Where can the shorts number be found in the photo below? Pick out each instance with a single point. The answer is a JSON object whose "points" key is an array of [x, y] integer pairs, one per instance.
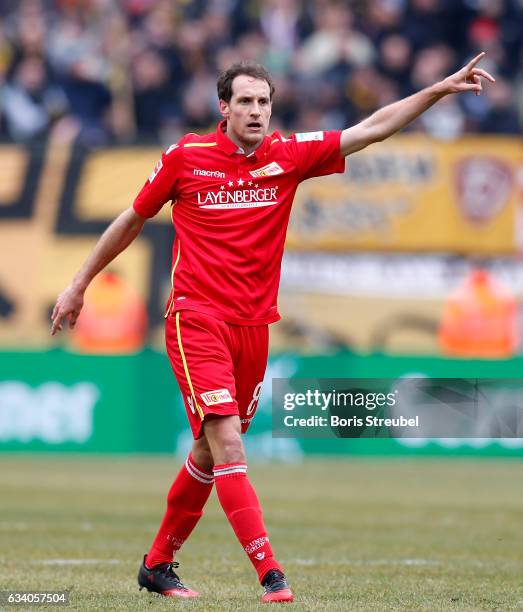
{"points": [[255, 397]]}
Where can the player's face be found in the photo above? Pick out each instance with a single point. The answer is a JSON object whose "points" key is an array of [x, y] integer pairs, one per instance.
{"points": [[248, 111]]}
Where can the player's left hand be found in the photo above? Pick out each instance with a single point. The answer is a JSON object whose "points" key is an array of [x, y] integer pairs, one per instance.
{"points": [[468, 78]]}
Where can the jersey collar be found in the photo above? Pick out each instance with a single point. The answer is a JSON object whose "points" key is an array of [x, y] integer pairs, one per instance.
{"points": [[229, 147]]}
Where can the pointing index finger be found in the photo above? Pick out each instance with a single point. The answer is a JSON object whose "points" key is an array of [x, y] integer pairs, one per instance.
{"points": [[475, 60]]}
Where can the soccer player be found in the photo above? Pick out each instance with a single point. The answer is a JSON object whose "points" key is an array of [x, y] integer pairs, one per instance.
{"points": [[231, 194]]}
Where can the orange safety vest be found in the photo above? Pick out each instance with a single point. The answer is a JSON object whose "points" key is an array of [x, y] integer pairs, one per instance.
{"points": [[113, 319], [479, 319]]}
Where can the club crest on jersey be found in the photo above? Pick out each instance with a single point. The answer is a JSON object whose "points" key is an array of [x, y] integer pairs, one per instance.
{"points": [[268, 170], [157, 169], [220, 396]]}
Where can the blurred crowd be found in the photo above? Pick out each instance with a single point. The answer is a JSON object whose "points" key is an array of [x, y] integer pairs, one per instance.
{"points": [[121, 71]]}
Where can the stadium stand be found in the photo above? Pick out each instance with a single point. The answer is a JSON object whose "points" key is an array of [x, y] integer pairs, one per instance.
{"points": [[115, 72]]}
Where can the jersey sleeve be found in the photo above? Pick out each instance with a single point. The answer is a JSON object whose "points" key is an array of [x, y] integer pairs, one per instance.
{"points": [[161, 185], [317, 153]]}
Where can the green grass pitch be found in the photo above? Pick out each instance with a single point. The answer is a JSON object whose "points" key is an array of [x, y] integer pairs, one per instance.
{"points": [[378, 534]]}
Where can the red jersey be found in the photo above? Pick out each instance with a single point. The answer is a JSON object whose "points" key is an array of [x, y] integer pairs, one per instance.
{"points": [[230, 212]]}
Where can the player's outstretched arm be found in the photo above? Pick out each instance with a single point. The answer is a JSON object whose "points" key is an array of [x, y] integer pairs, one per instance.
{"points": [[118, 236], [389, 119]]}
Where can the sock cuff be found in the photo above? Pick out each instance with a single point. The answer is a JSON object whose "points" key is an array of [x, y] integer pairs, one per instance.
{"points": [[266, 566], [196, 471], [229, 469]]}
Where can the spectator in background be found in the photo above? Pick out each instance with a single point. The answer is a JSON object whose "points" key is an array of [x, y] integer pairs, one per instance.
{"points": [[363, 92], [395, 60], [199, 104], [447, 121], [160, 33], [30, 102], [283, 23], [192, 39], [154, 103], [501, 117], [380, 17], [483, 30], [425, 23], [334, 40], [89, 100], [26, 28], [216, 24], [498, 25], [77, 55]]}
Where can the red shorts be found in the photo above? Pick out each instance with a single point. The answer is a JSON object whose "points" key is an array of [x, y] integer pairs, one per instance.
{"points": [[219, 366]]}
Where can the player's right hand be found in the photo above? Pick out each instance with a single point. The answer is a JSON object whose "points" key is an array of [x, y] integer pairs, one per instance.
{"points": [[468, 78], [67, 307]]}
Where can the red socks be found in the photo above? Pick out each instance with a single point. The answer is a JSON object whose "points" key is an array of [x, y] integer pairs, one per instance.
{"points": [[241, 505], [185, 503]]}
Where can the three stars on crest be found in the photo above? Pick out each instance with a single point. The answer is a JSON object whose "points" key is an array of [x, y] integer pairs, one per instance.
{"points": [[240, 182]]}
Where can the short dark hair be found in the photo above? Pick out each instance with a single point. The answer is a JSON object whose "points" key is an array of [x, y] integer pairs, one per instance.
{"points": [[257, 71]]}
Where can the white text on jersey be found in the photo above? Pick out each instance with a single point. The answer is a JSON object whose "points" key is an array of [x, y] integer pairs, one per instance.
{"points": [[240, 198], [211, 173]]}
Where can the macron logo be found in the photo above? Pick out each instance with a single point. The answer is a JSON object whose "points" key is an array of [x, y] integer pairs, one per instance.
{"points": [[210, 173]]}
